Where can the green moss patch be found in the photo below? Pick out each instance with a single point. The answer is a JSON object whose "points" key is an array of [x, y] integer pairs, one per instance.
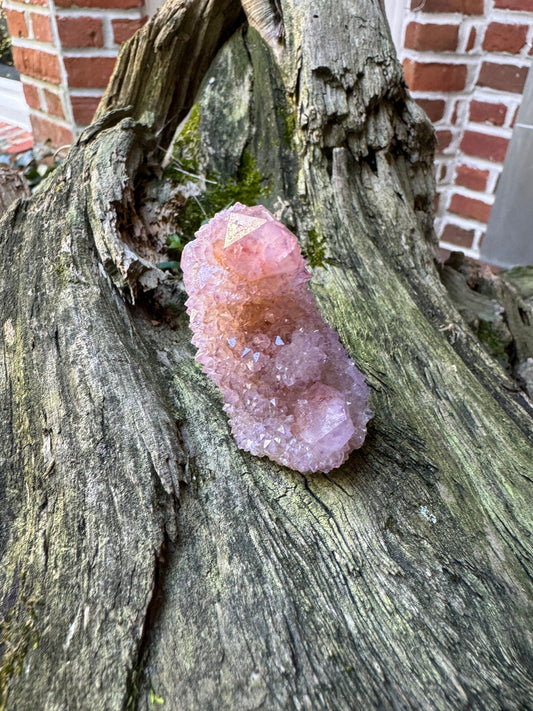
{"points": [[187, 166]]}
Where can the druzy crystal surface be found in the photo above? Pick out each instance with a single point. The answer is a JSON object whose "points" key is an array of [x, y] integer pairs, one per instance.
{"points": [[290, 390]]}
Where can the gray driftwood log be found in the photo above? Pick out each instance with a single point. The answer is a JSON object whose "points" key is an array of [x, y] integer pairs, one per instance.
{"points": [[144, 558]]}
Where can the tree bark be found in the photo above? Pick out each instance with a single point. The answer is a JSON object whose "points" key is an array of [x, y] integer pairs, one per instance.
{"points": [[12, 186], [146, 559]]}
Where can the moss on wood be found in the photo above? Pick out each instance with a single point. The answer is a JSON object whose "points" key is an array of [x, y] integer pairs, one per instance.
{"points": [[384, 584]]}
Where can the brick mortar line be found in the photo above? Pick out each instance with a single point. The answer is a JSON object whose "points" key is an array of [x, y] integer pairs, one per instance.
{"points": [[131, 14], [481, 163], [40, 83], [439, 57], [456, 20], [512, 101], [465, 223], [25, 8], [465, 29], [83, 93], [31, 43], [467, 251], [113, 14], [488, 129], [55, 48], [518, 18], [52, 118], [422, 57], [67, 106], [507, 123], [488, 11], [494, 15], [444, 95], [492, 181], [482, 196], [90, 52], [108, 34], [482, 91], [478, 93]]}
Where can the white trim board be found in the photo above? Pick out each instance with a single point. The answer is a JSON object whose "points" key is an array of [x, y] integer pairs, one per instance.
{"points": [[396, 10], [13, 106]]}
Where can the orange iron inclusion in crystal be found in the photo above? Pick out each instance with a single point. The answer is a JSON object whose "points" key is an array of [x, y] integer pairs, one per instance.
{"points": [[290, 390]]}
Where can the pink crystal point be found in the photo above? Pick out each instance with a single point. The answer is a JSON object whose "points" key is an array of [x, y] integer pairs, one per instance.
{"points": [[290, 389]]}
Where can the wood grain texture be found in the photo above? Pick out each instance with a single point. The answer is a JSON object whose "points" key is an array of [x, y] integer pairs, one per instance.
{"points": [[159, 70], [91, 458], [401, 580], [13, 186]]}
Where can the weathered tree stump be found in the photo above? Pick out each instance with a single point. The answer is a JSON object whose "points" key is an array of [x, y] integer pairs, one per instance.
{"points": [[146, 558]]}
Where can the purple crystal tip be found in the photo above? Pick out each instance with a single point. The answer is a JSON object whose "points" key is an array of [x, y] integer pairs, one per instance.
{"points": [[290, 390]]}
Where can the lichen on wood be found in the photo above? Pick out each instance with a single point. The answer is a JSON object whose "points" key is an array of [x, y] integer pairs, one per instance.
{"points": [[387, 583]]}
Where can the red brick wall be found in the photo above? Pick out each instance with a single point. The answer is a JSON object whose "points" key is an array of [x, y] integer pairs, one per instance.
{"points": [[466, 63], [65, 52]]}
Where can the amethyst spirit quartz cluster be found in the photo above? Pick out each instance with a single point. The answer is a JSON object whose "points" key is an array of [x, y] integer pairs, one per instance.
{"points": [[290, 390]]}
